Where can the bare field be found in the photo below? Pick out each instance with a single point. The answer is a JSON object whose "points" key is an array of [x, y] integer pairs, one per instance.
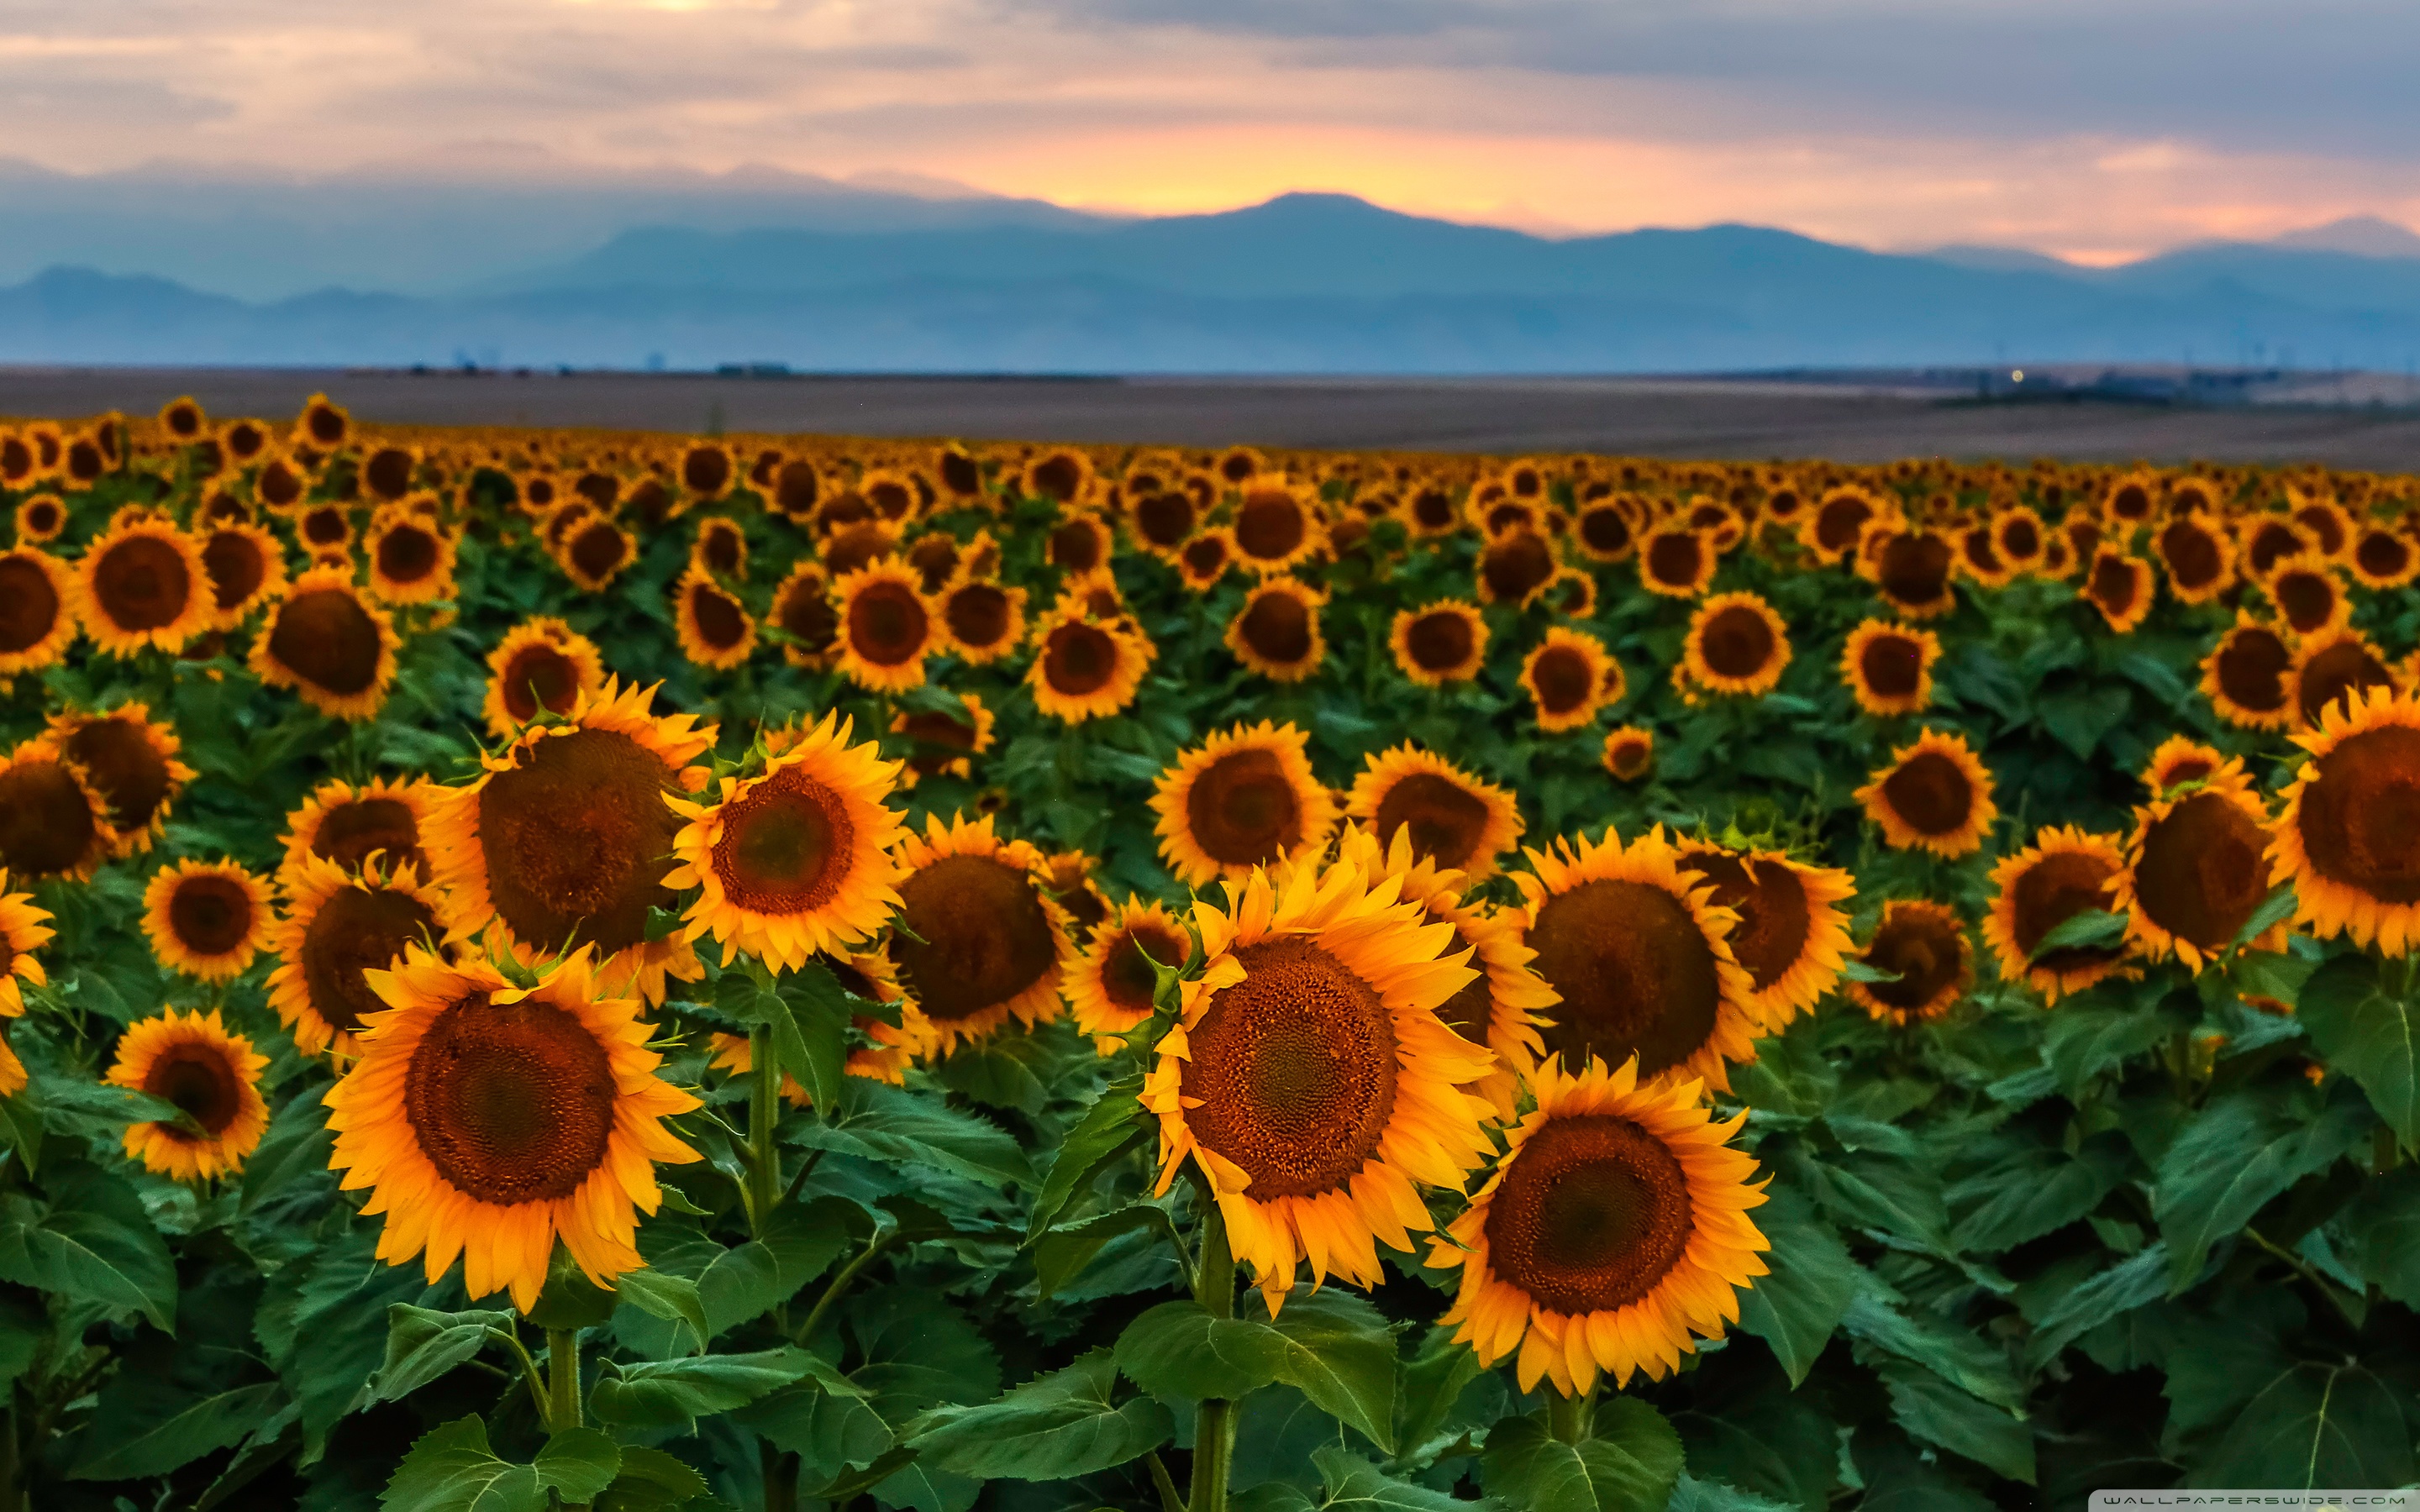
{"points": [[1642, 416]]}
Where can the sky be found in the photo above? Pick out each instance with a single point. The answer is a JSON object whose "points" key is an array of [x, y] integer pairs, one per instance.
{"points": [[2094, 130]]}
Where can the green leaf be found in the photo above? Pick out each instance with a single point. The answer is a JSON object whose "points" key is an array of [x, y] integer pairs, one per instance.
{"points": [[2274, 909], [422, 1345], [2381, 1231], [96, 1244], [2315, 1426], [1977, 1367], [2229, 1161], [2370, 1035], [2089, 930], [1694, 1495], [2124, 1287], [920, 1350], [1068, 1248], [2081, 717], [798, 1244], [651, 1480], [661, 1294], [815, 1044], [127, 1452], [1898, 1481], [1348, 1481], [2085, 1039], [1054, 1428], [877, 1122], [297, 1145], [1629, 1463], [1433, 1379], [1342, 1355], [1109, 1128], [1334, 1348], [2037, 1191], [24, 1114], [673, 1393], [1795, 1308], [1932, 1410], [1893, 1196], [824, 1419], [997, 1073], [451, 1469]]}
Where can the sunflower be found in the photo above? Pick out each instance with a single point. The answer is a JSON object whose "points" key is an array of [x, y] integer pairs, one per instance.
{"points": [[2192, 877], [1736, 644], [1832, 530], [1935, 796], [1614, 1229], [2064, 872], [279, 484], [1448, 816], [1245, 797], [714, 627], [984, 620], [23, 931], [564, 839], [794, 861], [1309, 1077], [37, 610], [131, 761], [207, 920], [1078, 543], [1912, 567], [1276, 527], [1445, 642], [1063, 475], [1630, 753], [2244, 676], [1068, 876], [1676, 561], [541, 664], [1276, 633], [2017, 534], [40, 518], [2265, 541], [1500, 1008], [722, 548], [2119, 586], [330, 644], [594, 553], [323, 426], [1979, 558], [212, 1075], [53, 822], [183, 419], [1430, 512], [943, 733], [2349, 839], [1569, 677], [1642, 957], [347, 823], [2133, 496], [490, 1120], [1083, 670], [1791, 936], [2329, 669], [339, 923], [1515, 568], [887, 627], [1889, 668], [706, 471], [1604, 532], [326, 529], [411, 560], [2380, 558], [2201, 561], [802, 611], [1162, 520], [889, 1050], [2310, 598], [1923, 946], [142, 584], [246, 569], [1109, 985], [984, 941], [2179, 759], [1205, 559]]}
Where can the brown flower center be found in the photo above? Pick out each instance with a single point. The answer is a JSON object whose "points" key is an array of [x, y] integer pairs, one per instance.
{"points": [[1164, 518], [511, 1103], [1738, 642], [1771, 901], [326, 526], [599, 551], [2336, 672], [1630, 758], [406, 554], [1056, 477], [142, 584], [1295, 1068], [1892, 666], [538, 673], [1914, 569], [704, 470], [2200, 876], [721, 624], [1605, 530], [1270, 525], [387, 472], [1563, 679], [887, 623], [1446, 818], [2192, 554], [358, 930], [1516, 565], [1126, 978], [1242, 809], [977, 615], [807, 616], [1590, 1215], [199, 1080], [1207, 557], [1078, 659], [787, 847], [1278, 626], [2252, 669], [119, 761], [1636, 972], [1077, 546], [2187, 769], [326, 637], [2020, 538], [236, 568], [2114, 585], [29, 606], [982, 936], [209, 915], [2269, 543], [2360, 813], [2382, 554], [350, 831], [47, 826], [1440, 642], [1675, 558], [2054, 890], [1837, 521], [1925, 950], [577, 840], [1931, 794]]}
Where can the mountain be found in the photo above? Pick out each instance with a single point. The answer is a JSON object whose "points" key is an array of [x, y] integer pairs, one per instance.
{"points": [[2365, 235]]}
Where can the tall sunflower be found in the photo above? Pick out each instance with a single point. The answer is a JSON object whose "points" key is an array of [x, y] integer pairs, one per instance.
{"points": [[40, 518], [1922, 946], [340, 922], [347, 822], [797, 859], [1888, 667], [1613, 1230], [246, 569], [1276, 633], [2064, 872], [207, 920], [53, 822], [37, 610], [212, 1075], [593, 553], [141, 584], [1085, 669], [1935, 796], [1569, 677], [802, 611], [2380, 558], [330, 644], [1245, 797], [2309, 595], [1449, 815], [24, 930], [1073, 879], [1109, 986], [887, 627], [1275, 525], [715, 629], [2349, 839], [1736, 644], [1309, 1077], [2199, 559], [1515, 567], [2244, 676], [984, 620], [564, 839], [1642, 957], [1911, 567], [491, 1120], [130, 760], [2193, 876], [1441, 643], [1203, 561], [1793, 935], [984, 942], [541, 663], [1677, 561]]}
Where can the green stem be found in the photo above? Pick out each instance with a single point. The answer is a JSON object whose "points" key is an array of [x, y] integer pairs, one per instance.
{"points": [[874, 1248], [763, 1114], [1213, 1425], [781, 1475], [1568, 1417], [1162, 1481], [529, 1373], [563, 1379]]}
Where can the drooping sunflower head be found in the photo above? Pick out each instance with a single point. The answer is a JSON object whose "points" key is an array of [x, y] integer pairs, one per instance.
{"points": [[1085, 669], [1630, 753], [1611, 1235], [1888, 667], [1935, 796], [2193, 876], [1445, 814], [1063, 474], [1736, 644], [1443, 642], [2179, 759], [1309, 1077], [246, 569], [2064, 872], [132, 761], [1072, 878], [1203, 561], [1922, 945], [1276, 633], [2245, 676], [1791, 934], [213, 1078], [2349, 839], [338, 924], [329, 644], [142, 584], [1515, 567], [1109, 987], [1569, 677], [984, 942], [1243, 798], [944, 743], [715, 629], [1980, 561], [887, 627], [1641, 955], [542, 664], [207, 920], [491, 1122], [2199, 560], [53, 822], [24, 930], [2330, 669], [794, 861], [565, 839]]}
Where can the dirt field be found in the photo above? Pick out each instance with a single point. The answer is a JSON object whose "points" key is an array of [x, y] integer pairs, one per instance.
{"points": [[1637, 416]]}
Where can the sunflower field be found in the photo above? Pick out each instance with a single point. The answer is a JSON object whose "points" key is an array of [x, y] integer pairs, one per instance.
{"points": [[580, 970]]}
